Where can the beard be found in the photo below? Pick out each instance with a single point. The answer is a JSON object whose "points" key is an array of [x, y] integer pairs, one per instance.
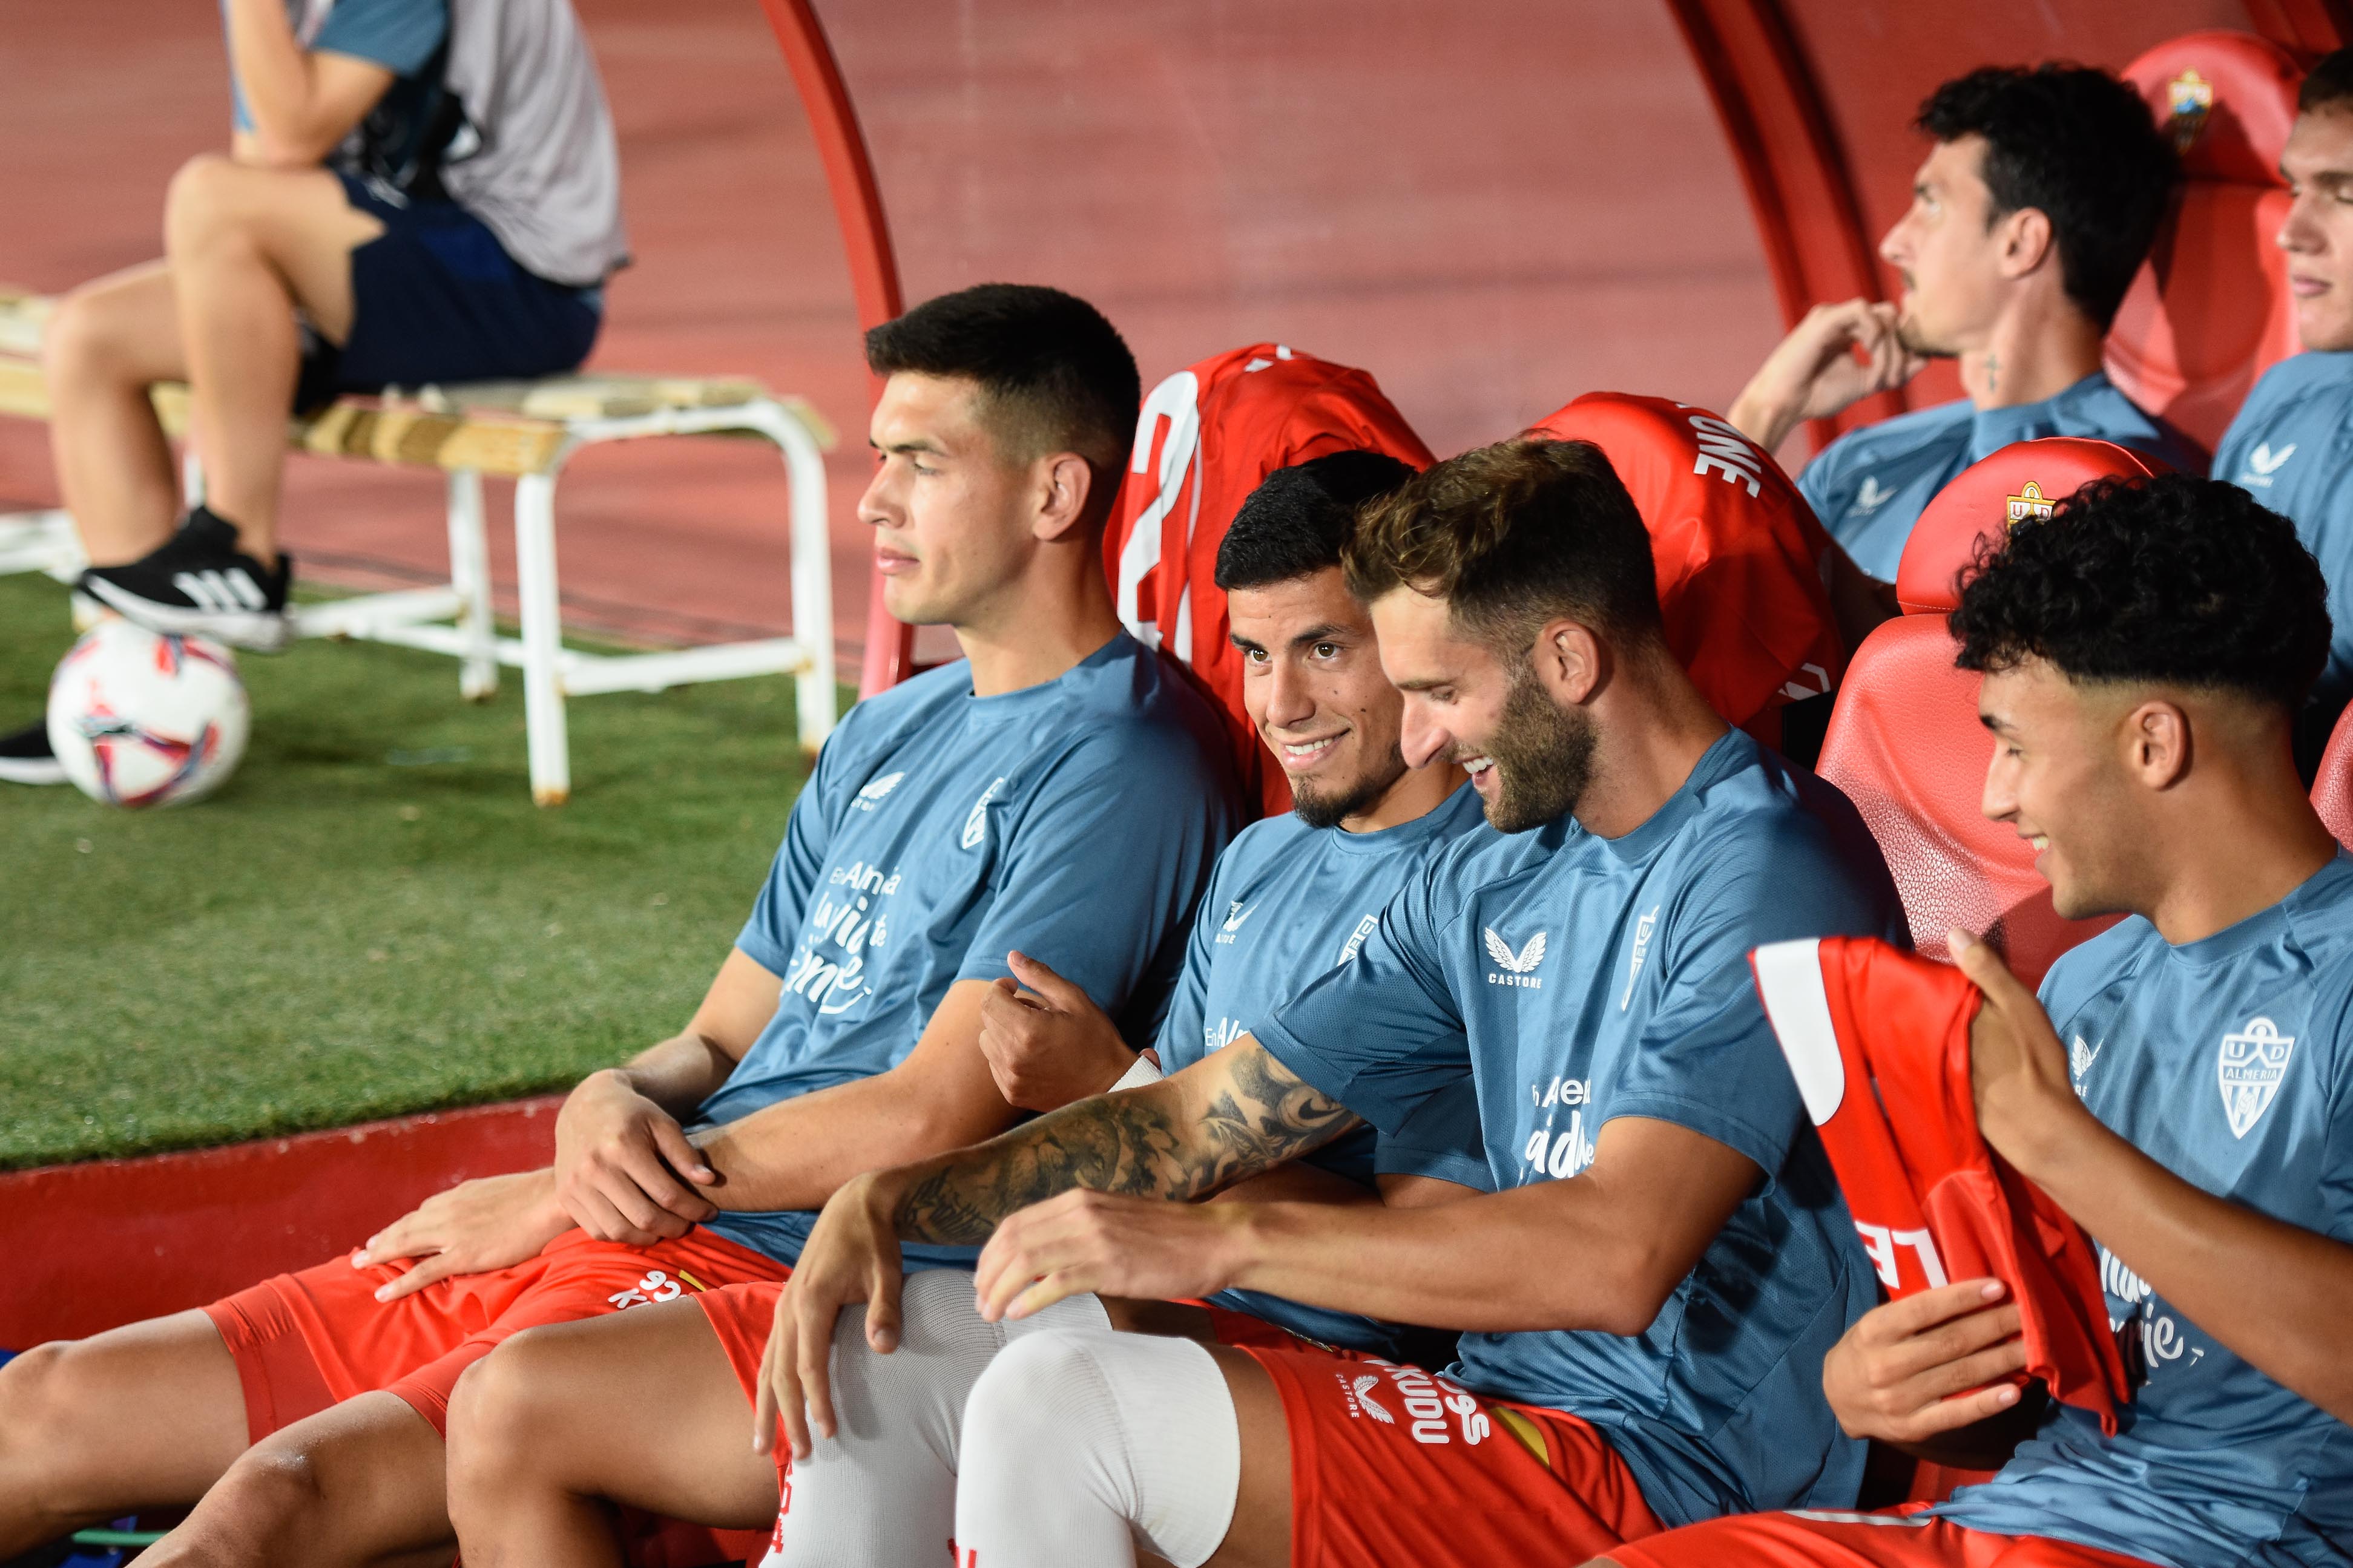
{"points": [[1328, 808], [1543, 757]]}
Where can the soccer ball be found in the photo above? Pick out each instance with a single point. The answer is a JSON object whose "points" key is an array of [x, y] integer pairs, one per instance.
{"points": [[141, 718]]}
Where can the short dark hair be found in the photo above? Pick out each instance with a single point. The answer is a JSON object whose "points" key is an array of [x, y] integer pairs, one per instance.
{"points": [[1054, 375], [2329, 85], [2079, 147], [1294, 523], [1512, 535], [2177, 581]]}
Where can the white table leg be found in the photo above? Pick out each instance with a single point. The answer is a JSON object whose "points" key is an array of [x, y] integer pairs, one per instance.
{"points": [[470, 574], [542, 638]]}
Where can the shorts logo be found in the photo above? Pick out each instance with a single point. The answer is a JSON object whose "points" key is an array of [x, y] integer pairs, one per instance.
{"points": [[2028, 502], [1364, 928], [656, 1286], [975, 826], [1870, 498], [1518, 967], [2251, 1064], [1428, 1401], [871, 796]]}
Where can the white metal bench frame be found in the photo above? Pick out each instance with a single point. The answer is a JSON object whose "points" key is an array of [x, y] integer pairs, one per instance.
{"points": [[455, 619]]}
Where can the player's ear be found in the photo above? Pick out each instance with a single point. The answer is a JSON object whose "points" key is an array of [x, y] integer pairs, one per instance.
{"points": [[2158, 744], [1065, 496], [2027, 241], [1570, 661]]}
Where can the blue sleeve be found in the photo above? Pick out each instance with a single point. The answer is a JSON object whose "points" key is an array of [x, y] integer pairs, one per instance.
{"points": [[398, 35], [1820, 474], [767, 937], [1103, 863], [1440, 1138], [1707, 1059], [1380, 1035]]}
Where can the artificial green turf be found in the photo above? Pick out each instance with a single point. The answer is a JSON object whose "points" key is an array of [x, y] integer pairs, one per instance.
{"points": [[337, 935]]}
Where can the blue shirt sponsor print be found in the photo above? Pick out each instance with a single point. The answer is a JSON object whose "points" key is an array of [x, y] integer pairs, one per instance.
{"points": [[1077, 820], [1870, 485], [1288, 903], [2228, 1062], [1636, 1002]]}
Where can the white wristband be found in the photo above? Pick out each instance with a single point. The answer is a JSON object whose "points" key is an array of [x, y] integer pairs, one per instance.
{"points": [[1144, 1070]]}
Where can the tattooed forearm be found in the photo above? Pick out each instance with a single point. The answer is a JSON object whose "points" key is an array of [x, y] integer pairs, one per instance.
{"points": [[1228, 1116]]}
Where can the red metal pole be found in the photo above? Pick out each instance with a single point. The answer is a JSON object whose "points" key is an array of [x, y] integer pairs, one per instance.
{"points": [[866, 236]]}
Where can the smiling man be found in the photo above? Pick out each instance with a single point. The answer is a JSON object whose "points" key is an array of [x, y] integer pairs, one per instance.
{"points": [[1058, 785], [2144, 652], [2291, 443], [1665, 1259], [2029, 217]]}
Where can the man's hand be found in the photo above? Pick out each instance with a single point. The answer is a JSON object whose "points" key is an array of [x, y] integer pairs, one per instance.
{"points": [[1925, 1365], [1111, 1245], [2018, 1068], [1834, 358], [853, 1255], [623, 1164], [494, 1222], [1049, 1045]]}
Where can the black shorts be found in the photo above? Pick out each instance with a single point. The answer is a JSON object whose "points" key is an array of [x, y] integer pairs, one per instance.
{"points": [[436, 300]]}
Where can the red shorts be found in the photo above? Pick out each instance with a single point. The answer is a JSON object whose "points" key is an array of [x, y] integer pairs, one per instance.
{"points": [[1392, 1464], [1892, 1539], [303, 1341]]}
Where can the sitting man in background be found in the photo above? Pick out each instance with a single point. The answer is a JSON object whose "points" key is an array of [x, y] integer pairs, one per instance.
{"points": [[533, 1443], [2292, 445], [2181, 1089], [415, 192], [1665, 1260], [2028, 219], [1061, 786]]}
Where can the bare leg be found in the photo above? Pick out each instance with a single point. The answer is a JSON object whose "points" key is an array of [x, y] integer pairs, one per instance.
{"points": [[639, 1408], [145, 1415], [108, 341], [247, 245], [357, 1484], [1259, 1536]]}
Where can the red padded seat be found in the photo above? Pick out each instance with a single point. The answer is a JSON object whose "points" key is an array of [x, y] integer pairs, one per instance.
{"points": [[2210, 311], [2332, 787], [1905, 742]]}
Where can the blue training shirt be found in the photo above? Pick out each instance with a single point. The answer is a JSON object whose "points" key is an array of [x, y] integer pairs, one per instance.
{"points": [[1581, 979], [2292, 448], [1288, 902], [1870, 485], [402, 36], [2229, 1061], [1077, 820]]}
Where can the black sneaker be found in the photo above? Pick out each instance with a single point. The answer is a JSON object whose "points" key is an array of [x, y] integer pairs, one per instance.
{"points": [[198, 583], [26, 757]]}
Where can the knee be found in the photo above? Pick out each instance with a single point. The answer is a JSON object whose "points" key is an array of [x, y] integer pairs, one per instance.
{"points": [[1022, 1402], [204, 202], [36, 1393], [271, 1485], [498, 1404], [88, 338]]}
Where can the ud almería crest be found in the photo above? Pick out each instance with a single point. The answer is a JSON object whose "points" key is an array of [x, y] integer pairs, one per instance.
{"points": [[2249, 1070]]}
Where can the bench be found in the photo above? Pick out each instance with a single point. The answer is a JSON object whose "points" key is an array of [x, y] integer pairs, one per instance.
{"points": [[525, 431]]}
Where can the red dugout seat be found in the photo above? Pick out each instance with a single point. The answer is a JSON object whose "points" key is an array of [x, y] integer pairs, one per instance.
{"points": [[1206, 437], [1738, 552], [1905, 742], [2210, 311], [2332, 787]]}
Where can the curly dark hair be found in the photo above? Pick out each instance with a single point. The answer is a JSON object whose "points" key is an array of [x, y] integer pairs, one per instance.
{"points": [[2079, 147], [1511, 535], [2175, 580]]}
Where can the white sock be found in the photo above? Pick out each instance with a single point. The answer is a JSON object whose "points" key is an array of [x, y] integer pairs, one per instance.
{"points": [[882, 1490], [1081, 1446]]}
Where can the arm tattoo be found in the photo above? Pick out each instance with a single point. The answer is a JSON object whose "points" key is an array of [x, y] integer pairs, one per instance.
{"points": [[1142, 1142]]}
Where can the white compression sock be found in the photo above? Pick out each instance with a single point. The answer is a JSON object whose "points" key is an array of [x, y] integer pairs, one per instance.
{"points": [[1079, 1448], [882, 1490]]}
